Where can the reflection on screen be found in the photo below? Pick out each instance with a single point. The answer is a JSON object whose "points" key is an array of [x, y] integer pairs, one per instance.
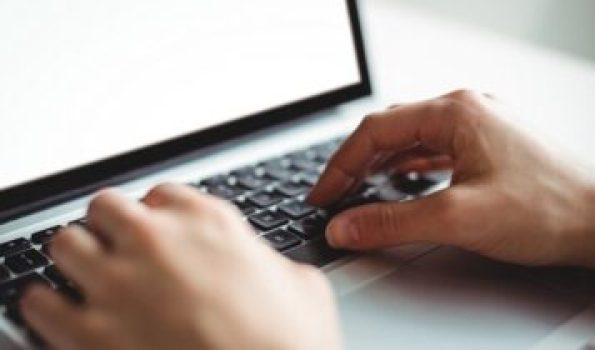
{"points": [[84, 80]]}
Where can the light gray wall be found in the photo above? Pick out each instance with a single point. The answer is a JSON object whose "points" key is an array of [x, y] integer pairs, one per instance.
{"points": [[567, 25]]}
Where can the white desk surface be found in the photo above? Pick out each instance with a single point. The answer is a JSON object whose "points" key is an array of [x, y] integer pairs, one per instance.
{"points": [[416, 55]]}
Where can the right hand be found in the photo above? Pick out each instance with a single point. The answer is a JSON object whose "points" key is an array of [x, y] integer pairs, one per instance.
{"points": [[509, 199]]}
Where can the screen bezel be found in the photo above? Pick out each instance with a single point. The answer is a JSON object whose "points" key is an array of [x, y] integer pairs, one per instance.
{"points": [[41, 193]]}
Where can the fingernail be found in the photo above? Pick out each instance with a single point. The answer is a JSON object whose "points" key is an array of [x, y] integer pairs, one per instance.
{"points": [[340, 232]]}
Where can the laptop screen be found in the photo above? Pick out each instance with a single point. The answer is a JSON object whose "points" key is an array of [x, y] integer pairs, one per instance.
{"points": [[82, 81]]}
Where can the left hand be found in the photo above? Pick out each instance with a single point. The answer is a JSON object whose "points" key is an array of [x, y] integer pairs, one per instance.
{"points": [[180, 271]]}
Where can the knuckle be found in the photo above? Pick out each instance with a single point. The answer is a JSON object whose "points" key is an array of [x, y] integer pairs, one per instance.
{"points": [[170, 192], [448, 107], [201, 202], [63, 241], [217, 210], [462, 104], [463, 95], [95, 330], [369, 121], [160, 191], [101, 200], [114, 281], [389, 221]]}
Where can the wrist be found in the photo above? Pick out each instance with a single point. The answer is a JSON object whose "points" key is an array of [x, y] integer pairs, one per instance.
{"points": [[586, 244], [591, 210]]}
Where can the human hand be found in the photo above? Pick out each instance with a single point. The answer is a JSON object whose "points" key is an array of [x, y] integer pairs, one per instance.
{"points": [[181, 271], [509, 199]]}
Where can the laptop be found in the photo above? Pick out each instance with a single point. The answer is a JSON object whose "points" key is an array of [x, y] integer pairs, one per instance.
{"points": [[245, 101]]}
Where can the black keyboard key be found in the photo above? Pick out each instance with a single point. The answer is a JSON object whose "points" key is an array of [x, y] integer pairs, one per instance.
{"points": [[281, 239], [245, 207], [249, 170], [411, 183], [4, 274], [306, 165], [316, 252], [282, 174], [309, 228], [324, 152], [253, 182], [215, 180], [297, 209], [54, 275], [304, 160], [306, 154], [12, 290], [354, 201], [25, 261], [276, 163], [309, 178], [14, 246], [225, 191], [267, 220], [291, 189], [44, 236], [264, 199]]}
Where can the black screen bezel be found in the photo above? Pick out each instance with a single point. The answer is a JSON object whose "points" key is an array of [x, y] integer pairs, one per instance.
{"points": [[41, 193]]}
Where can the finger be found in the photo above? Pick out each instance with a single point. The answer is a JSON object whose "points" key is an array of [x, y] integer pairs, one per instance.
{"points": [[53, 317], [435, 219], [420, 124], [78, 255], [176, 196], [415, 153], [185, 199], [425, 164], [117, 218]]}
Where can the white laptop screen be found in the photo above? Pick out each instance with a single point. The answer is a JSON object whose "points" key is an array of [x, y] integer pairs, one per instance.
{"points": [[82, 81]]}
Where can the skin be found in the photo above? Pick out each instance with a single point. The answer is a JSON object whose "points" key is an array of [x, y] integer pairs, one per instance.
{"points": [[510, 199], [180, 271], [220, 287]]}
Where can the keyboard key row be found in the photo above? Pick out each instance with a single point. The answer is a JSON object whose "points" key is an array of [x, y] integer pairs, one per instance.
{"points": [[14, 246], [294, 228], [25, 261], [253, 182], [281, 239], [267, 220], [263, 199], [225, 191], [44, 236], [296, 209]]}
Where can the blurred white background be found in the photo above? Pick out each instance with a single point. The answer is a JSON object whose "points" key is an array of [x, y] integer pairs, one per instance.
{"points": [[565, 25]]}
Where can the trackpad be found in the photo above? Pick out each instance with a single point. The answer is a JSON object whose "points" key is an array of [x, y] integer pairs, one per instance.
{"points": [[448, 299]]}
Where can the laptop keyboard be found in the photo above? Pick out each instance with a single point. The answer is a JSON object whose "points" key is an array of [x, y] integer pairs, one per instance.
{"points": [[270, 194]]}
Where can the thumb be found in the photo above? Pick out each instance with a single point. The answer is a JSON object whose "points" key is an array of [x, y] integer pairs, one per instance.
{"points": [[437, 218]]}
